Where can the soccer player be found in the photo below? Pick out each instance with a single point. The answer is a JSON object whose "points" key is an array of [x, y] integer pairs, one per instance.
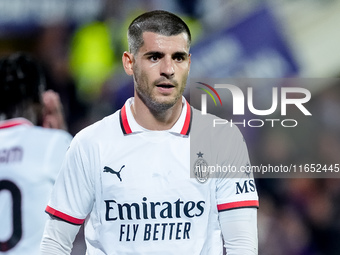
{"points": [[30, 156], [127, 177]]}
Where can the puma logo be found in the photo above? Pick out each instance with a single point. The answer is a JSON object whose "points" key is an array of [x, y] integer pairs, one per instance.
{"points": [[109, 170]]}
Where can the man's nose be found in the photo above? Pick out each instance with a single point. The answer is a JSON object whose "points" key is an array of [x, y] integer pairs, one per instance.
{"points": [[167, 68]]}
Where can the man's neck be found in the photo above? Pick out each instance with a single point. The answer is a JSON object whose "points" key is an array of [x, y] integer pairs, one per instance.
{"points": [[156, 121]]}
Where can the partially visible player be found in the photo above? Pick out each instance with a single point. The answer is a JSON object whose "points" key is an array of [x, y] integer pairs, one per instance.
{"points": [[30, 155]]}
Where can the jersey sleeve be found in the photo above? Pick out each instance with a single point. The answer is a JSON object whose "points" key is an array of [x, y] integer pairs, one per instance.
{"points": [[73, 193], [236, 187]]}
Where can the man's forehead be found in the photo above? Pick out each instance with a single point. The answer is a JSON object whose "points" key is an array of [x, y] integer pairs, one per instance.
{"points": [[175, 42]]}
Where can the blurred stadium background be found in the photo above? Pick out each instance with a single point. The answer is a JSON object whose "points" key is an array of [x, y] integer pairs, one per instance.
{"points": [[81, 42]]}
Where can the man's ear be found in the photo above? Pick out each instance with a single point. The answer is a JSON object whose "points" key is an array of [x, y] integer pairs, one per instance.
{"points": [[127, 60]]}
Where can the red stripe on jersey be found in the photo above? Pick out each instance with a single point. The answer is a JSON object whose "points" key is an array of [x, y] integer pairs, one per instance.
{"points": [[124, 121], [64, 216], [13, 123], [187, 122], [239, 204]]}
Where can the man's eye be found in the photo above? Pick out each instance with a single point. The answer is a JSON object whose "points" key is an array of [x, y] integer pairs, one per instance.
{"points": [[179, 58], [154, 58]]}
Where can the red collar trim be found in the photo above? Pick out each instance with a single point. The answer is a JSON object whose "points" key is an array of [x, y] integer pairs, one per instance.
{"points": [[124, 124], [187, 122], [124, 121], [15, 122]]}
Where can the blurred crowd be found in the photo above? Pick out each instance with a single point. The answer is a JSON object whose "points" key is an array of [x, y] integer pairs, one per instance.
{"points": [[301, 215], [297, 216]]}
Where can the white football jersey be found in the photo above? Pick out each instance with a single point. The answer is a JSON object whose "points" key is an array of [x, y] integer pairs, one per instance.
{"points": [[134, 189], [30, 159]]}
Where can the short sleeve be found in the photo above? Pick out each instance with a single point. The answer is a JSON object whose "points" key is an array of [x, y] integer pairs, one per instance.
{"points": [[235, 188]]}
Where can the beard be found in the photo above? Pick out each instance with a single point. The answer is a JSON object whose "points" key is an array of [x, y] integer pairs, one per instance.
{"points": [[156, 105]]}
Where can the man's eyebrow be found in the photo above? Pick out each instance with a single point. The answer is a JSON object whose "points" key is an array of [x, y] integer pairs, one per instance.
{"points": [[181, 54], [160, 54], [153, 53]]}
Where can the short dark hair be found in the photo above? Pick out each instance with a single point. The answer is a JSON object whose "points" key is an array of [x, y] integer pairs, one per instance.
{"points": [[21, 80], [158, 21]]}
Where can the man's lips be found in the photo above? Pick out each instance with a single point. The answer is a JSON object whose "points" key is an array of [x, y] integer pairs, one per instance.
{"points": [[165, 85], [165, 88]]}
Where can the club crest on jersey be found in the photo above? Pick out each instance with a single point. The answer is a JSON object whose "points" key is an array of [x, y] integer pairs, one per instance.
{"points": [[110, 170], [201, 169]]}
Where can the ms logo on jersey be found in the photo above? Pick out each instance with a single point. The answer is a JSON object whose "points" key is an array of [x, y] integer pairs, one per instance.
{"points": [[201, 169], [110, 170]]}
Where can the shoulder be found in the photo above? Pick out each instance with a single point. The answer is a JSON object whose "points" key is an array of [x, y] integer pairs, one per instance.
{"points": [[213, 126], [48, 135], [100, 130], [224, 141]]}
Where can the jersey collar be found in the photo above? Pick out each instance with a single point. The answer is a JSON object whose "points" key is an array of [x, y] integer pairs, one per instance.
{"points": [[15, 122], [129, 124]]}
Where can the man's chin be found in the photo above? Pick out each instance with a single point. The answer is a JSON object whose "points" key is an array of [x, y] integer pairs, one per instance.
{"points": [[159, 103], [162, 104]]}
